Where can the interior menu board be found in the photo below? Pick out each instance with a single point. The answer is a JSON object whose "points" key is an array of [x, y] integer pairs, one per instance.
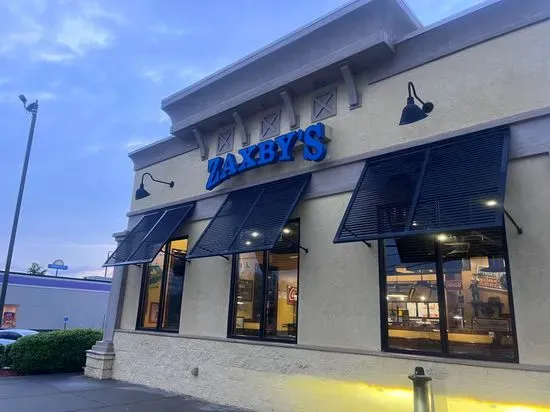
{"points": [[411, 307], [422, 310], [434, 310]]}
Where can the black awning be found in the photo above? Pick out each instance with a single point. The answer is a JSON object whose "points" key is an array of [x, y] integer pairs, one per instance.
{"points": [[146, 239], [251, 219], [450, 185]]}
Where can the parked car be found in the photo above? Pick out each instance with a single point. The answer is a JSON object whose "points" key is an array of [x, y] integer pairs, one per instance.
{"points": [[8, 336]]}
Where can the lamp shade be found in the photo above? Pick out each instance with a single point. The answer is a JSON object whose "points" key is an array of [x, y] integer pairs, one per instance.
{"points": [[141, 192], [411, 113]]}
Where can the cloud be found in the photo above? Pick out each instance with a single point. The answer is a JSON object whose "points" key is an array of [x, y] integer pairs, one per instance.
{"points": [[49, 244], [38, 95], [136, 143], [164, 30], [81, 35], [163, 118], [71, 30], [182, 76], [54, 57], [94, 272], [12, 41], [93, 10], [44, 95], [156, 75], [92, 149]]}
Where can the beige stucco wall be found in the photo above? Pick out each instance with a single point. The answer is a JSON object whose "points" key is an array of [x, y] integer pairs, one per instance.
{"points": [[528, 201], [206, 286], [274, 378], [339, 291], [338, 284], [498, 78]]}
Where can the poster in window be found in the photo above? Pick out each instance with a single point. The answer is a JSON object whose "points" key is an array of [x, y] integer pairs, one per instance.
{"points": [[411, 307], [246, 290], [291, 294], [153, 312], [433, 308], [422, 310]]}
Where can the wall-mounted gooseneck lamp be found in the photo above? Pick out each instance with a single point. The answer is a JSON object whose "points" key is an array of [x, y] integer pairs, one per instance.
{"points": [[141, 192], [411, 112]]}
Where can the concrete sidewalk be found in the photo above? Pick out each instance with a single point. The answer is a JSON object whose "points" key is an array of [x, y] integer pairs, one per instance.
{"points": [[75, 392]]}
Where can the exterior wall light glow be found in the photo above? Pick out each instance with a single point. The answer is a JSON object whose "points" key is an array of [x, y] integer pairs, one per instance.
{"points": [[286, 231], [411, 112], [248, 243], [491, 203], [141, 192], [255, 234]]}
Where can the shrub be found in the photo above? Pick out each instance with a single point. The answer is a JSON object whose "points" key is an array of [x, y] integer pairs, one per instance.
{"points": [[2, 356], [50, 352], [6, 358]]}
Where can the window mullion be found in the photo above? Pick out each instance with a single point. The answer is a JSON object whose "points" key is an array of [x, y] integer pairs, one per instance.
{"points": [[264, 291], [163, 283], [443, 330]]}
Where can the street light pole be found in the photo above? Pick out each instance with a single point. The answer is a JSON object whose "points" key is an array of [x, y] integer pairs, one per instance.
{"points": [[33, 110]]}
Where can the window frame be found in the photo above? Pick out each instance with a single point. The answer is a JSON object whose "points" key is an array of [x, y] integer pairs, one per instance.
{"points": [[442, 303], [163, 282], [232, 314]]}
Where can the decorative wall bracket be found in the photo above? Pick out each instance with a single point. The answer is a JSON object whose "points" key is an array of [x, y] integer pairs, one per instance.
{"points": [[293, 118], [353, 96], [519, 229], [245, 136], [202, 145]]}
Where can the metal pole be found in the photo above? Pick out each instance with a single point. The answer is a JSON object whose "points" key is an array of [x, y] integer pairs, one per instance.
{"points": [[16, 214], [57, 270], [423, 400]]}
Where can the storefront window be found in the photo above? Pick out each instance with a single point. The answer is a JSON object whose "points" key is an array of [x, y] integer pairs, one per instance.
{"points": [[449, 293], [412, 295], [162, 288], [266, 290]]}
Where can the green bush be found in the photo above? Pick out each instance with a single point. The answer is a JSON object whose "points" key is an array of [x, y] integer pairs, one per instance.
{"points": [[7, 351], [2, 356], [50, 352]]}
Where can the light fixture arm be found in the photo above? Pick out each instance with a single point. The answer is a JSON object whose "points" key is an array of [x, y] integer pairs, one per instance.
{"points": [[509, 216], [171, 183], [413, 90]]}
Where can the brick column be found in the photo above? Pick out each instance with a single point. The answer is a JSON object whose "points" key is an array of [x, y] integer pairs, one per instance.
{"points": [[99, 359]]}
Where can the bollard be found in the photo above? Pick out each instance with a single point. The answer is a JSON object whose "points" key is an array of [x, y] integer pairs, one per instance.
{"points": [[423, 400]]}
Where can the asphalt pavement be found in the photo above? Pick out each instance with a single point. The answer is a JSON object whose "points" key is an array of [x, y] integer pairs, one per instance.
{"points": [[75, 392]]}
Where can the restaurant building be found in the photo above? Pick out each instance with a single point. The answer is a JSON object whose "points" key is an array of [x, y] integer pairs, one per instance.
{"points": [[361, 197]]}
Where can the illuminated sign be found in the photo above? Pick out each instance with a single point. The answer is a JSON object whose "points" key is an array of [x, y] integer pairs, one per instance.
{"points": [[268, 152]]}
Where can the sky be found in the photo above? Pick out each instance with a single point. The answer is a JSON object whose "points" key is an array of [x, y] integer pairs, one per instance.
{"points": [[99, 69]]}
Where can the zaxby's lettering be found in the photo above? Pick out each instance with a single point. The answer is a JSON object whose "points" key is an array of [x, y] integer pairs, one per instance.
{"points": [[268, 152]]}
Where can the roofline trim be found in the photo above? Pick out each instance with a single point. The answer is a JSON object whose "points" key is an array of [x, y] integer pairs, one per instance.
{"points": [[277, 44]]}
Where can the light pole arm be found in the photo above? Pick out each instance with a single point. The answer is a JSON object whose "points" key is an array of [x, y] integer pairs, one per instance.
{"points": [[9, 255]]}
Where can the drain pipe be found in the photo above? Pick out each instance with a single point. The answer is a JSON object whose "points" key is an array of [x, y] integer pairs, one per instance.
{"points": [[423, 400]]}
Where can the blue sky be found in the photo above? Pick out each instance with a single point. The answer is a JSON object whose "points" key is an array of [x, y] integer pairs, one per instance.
{"points": [[99, 69]]}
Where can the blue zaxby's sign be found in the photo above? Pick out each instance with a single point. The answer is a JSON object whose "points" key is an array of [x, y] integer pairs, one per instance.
{"points": [[268, 152]]}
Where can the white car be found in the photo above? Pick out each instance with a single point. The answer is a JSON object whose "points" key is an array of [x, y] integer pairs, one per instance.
{"points": [[8, 336]]}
